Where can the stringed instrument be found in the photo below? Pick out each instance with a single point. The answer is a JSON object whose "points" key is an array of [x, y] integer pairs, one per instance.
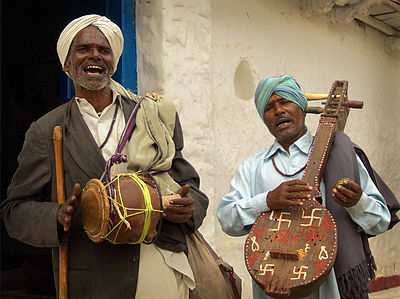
{"points": [[290, 252]]}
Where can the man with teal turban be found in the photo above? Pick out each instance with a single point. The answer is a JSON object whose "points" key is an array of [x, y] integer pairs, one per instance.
{"points": [[272, 180], [285, 86]]}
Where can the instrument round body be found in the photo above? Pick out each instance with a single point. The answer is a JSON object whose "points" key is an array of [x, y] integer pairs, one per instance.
{"points": [[121, 219], [290, 252]]}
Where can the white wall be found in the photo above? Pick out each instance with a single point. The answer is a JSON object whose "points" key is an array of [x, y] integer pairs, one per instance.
{"points": [[208, 56]]}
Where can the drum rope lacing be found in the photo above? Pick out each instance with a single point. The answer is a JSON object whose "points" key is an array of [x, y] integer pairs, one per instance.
{"points": [[147, 210]]}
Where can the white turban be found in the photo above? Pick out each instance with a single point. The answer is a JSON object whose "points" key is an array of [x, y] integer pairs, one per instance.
{"points": [[110, 30]]}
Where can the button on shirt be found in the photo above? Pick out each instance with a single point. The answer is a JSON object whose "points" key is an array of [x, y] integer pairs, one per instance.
{"points": [[246, 200]]}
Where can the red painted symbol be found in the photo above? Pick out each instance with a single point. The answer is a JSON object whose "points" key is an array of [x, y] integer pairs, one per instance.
{"points": [[309, 234], [328, 225], [283, 236], [319, 265], [294, 238], [254, 256], [258, 233]]}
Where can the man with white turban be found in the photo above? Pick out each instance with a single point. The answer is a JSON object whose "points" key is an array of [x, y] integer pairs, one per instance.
{"points": [[93, 121], [272, 180], [111, 32]]}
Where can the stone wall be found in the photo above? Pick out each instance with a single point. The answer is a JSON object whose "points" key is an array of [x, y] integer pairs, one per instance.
{"points": [[208, 56]]}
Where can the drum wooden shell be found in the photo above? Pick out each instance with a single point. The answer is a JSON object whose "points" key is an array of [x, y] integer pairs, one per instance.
{"points": [[125, 227], [290, 252]]}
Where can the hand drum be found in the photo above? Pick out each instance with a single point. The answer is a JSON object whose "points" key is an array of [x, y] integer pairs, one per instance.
{"points": [[128, 212]]}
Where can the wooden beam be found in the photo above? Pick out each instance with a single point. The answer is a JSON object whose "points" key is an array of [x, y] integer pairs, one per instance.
{"points": [[378, 25], [393, 5], [346, 14]]}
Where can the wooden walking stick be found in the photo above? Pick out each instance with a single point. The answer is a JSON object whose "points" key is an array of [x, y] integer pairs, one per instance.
{"points": [[63, 249]]}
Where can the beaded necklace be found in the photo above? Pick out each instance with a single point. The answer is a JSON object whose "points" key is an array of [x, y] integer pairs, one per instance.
{"points": [[111, 126], [285, 174]]}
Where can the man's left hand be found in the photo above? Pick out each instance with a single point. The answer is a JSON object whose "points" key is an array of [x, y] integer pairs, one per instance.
{"points": [[347, 194], [179, 210]]}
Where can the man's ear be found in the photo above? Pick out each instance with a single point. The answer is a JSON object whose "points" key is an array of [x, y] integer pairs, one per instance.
{"points": [[66, 67]]}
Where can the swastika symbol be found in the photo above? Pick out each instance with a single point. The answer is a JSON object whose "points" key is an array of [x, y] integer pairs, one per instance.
{"points": [[267, 268], [280, 220], [312, 217], [299, 273]]}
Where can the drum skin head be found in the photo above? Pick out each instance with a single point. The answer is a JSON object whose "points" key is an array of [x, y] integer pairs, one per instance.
{"points": [[95, 210]]}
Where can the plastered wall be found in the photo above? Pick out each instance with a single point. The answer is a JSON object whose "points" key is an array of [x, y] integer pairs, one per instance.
{"points": [[208, 56]]}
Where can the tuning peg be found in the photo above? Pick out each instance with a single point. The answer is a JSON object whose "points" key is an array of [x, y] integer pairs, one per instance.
{"points": [[354, 104], [314, 110]]}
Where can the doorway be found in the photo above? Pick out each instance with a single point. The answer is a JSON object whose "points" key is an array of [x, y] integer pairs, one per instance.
{"points": [[32, 83]]}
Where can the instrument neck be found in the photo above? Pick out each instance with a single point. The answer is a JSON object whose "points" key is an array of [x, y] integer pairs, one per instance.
{"points": [[320, 150]]}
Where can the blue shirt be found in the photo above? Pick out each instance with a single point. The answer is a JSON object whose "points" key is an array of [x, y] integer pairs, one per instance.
{"points": [[246, 200]]}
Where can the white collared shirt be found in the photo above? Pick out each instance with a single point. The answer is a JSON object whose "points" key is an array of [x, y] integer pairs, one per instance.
{"points": [[99, 126]]}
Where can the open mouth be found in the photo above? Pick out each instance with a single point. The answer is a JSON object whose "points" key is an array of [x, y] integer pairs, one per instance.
{"points": [[93, 70], [282, 123]]}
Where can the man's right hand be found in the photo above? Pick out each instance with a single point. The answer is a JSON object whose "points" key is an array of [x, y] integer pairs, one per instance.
{"points": [[67, 210], [287, 194]]}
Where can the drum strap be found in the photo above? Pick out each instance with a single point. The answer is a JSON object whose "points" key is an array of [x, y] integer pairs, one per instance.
{"points": [[118, 158]]}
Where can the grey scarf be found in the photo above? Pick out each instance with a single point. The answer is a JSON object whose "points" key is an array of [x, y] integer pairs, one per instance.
{"points": [[354, 264]]}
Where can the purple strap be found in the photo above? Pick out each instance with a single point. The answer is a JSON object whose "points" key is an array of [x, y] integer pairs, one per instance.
{"points": [[128, 128], [119, 158]]}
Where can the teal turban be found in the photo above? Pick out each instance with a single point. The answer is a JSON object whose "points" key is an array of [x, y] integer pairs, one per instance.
{"points": [[284, 86]]}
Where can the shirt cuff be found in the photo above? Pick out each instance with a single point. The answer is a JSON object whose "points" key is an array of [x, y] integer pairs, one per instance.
{"points": [[359, 208], [260, 202]]}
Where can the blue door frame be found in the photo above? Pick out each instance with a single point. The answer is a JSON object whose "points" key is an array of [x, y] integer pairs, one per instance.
{"points": [[121, 12]]}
